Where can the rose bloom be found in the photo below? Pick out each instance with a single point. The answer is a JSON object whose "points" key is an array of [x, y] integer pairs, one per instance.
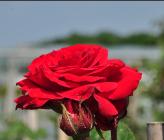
{"points": [[80, 73]]}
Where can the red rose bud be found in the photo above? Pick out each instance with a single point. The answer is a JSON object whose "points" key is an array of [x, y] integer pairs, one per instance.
{"points": [[76, 119]]}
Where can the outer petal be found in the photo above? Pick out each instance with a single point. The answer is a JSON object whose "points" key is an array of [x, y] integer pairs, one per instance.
{"points": [[35, 91], [35, 104], [106, 108], [104, 123], [107, 123], [40, 80], [43, 94], [105, 87], [49, 59], [26, 102], [121, 104], [25, 85], [111, 68], [127, 83], [49, 80]]}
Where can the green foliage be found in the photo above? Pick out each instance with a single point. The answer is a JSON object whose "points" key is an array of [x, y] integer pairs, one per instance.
{"points": [[140, 38], [17, 130], [2, 90], [156, 89], [123, 133], [78, 38], [105, 38], [95, 136], [158, 115]]}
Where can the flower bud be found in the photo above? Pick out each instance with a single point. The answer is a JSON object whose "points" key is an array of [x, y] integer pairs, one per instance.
{"points": [[76, 119]]}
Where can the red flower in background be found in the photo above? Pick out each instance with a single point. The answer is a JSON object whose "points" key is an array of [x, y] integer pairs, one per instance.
{"points": [[81, 73]]}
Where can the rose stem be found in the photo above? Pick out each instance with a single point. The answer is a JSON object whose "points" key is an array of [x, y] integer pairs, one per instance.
{"points": [[81, 137], [114, 134]]}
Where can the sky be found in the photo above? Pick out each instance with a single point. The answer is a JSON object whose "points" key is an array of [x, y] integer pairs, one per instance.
{"points": [[28, 21]]}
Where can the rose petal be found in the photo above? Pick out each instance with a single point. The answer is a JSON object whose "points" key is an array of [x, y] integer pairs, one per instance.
{"points": [[49, 59], [55, 78], [103, 123], [101, 57], [26, 102], [105, 87], [79, 94], [106, 108], [95, 55], [127, 83], [35, 103], [40, 79], [85, 78], [75, 70], [121, 105], [25, 84], [43, 94], [35, 91], [84, 92], [112, 67]]}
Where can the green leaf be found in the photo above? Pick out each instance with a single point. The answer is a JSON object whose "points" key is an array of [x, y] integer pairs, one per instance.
{"points": [[123, 133], [100, 133]]}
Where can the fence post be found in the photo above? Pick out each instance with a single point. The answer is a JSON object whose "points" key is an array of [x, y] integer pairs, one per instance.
{"points": [[155, 131]]}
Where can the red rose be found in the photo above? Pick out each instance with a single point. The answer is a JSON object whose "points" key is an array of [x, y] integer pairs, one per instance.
{"points": [[82, 73]]}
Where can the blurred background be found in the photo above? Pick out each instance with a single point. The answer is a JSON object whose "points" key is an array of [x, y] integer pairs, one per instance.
{"points": [[133, 32]]}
